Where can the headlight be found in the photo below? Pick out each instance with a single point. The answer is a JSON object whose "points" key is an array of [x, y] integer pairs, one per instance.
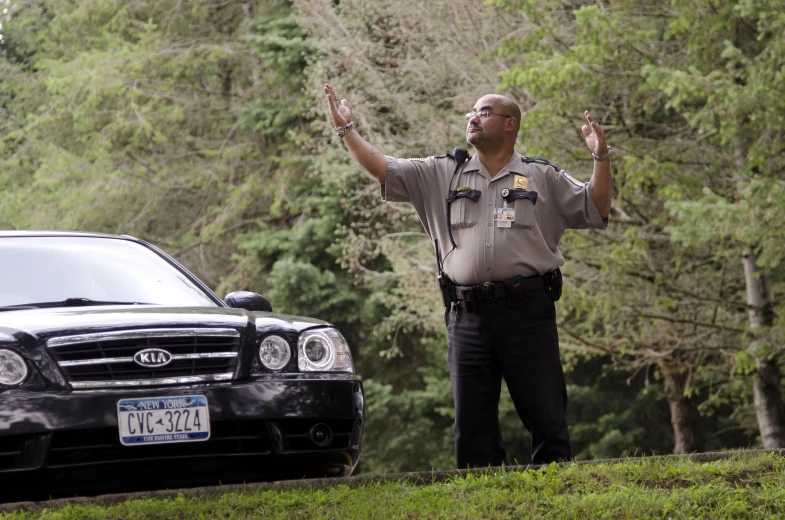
{"points": [[274, 352], [324, 350], [13, 368]]}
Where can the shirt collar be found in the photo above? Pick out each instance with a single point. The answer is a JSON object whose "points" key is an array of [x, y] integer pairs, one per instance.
{"points": [[473, 164], [515, 165]]}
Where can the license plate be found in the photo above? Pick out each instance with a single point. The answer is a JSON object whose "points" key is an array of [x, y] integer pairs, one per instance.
{"points": [[162, 420]]}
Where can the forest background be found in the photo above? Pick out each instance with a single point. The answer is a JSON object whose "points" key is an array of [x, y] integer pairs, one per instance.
{"points": [[200, 126]]}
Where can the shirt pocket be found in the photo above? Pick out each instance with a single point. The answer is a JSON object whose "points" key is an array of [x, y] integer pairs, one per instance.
{"points": [[464, 213], [524, 214]]}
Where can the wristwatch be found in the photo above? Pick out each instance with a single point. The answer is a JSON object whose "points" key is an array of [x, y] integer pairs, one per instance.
{"points": [[345, 130], [605, 157]]}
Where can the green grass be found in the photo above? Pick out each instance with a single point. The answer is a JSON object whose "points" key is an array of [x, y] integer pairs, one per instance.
{"points": [[744, 486]]}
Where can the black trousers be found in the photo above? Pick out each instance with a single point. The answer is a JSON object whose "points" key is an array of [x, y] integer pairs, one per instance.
{"points": [[520, 344]]}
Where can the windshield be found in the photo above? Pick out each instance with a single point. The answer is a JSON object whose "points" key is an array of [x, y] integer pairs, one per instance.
{"points": [[53, 269]]}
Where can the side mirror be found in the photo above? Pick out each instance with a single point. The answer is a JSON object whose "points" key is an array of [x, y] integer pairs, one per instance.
{"points": [[249, 301]]}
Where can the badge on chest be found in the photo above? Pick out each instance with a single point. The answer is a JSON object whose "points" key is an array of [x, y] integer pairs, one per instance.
{"points": [[504, 216]]}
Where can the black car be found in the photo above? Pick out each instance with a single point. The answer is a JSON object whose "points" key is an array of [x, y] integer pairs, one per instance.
{"points": [[120, 370]]}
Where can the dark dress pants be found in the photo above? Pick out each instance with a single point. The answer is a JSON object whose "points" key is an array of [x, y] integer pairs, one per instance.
{"points": [[520, 344]]}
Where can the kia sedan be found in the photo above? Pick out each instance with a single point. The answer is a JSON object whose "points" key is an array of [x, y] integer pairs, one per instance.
{"points": [[120, 370]]}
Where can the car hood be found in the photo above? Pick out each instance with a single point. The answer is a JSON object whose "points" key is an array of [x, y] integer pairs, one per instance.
{"points": [[45, 323]]}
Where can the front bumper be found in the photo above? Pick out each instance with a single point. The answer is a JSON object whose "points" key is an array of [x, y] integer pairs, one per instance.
{"points": [[61, 443]]}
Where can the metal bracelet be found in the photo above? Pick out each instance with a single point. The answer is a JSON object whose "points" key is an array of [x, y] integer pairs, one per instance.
{"points": [[343, 131], [605, 157]]}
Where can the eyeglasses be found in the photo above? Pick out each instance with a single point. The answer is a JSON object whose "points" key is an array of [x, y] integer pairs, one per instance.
{"points": [[483, 114]]}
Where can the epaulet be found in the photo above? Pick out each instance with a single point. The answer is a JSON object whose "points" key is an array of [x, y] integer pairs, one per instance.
{"points": [[540, 160], [451, 156], [423, 159]]}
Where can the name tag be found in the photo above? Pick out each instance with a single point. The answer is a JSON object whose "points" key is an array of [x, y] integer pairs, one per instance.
{"points": [[503, 217]]}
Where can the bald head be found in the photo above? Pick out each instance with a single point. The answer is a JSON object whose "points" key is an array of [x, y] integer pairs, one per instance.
{"points": [[507, 106], [500, 129]]}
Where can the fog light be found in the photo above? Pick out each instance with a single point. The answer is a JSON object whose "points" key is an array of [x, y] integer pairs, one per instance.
{"points": [[274, 352], [13, 368], [321, 434]]}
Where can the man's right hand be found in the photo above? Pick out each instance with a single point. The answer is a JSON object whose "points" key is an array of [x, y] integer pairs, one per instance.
{"points": [[340, 113], [363, 152]]}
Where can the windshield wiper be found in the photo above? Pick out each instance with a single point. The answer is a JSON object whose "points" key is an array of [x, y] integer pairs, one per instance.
{"points": [[68, 302]]}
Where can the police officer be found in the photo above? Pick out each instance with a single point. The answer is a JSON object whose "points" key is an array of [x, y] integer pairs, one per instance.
{"points": [[496, 220]]}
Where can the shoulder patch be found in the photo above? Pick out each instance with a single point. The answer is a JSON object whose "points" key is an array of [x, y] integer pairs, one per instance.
{"points": [[572, 179], [419, 159]]}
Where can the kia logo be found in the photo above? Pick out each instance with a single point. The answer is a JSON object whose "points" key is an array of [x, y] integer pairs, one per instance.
{"points": [[152, 357]]}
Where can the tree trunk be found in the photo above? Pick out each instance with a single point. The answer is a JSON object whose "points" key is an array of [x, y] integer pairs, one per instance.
{"points": [[766, 387], [249, 10], [684, 414]]}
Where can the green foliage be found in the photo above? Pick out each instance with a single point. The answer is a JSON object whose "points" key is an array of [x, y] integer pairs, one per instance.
{"points": [[306, 290], [411, 429], [135, 128], [609, 421], [741, 486], [741, 81]]}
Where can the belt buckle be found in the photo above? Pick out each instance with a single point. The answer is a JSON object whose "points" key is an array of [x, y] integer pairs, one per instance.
{"points": [[488, 291]]}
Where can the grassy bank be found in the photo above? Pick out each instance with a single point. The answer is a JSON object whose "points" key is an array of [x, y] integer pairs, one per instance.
{"points": [[744, 486]]}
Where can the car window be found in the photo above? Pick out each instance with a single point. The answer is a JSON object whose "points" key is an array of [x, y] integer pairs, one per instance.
{"points": [[51, 269]]}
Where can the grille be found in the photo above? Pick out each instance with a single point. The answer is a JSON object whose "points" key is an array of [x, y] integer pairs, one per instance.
{"points": [[107, 359], [102, 445], [11, 447]]}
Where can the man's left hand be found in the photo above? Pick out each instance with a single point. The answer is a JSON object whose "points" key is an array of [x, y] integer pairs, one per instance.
{"points": [[595, 137]]}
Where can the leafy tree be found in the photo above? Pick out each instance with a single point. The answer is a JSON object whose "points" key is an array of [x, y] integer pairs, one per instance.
{"points": [[643, 71], [137, 127], [729, 89]]}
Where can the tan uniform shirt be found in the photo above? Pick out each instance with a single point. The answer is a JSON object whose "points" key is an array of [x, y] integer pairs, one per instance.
{"points": [[486, 252]]}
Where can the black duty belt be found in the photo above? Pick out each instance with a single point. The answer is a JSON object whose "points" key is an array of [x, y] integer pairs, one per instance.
{"points": [[492, 291]]}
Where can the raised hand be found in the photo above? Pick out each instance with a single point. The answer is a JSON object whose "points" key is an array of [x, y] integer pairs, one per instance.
{"points": [[340, 113], [595, 137]]}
